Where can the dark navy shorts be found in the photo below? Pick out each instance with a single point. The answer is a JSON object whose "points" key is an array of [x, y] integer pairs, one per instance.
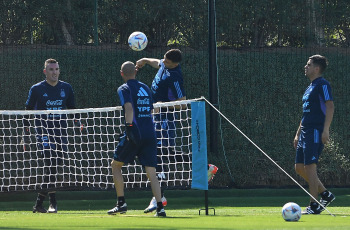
{"points": [[52, 148], [309, 146], [165, 129], [145, 150]]}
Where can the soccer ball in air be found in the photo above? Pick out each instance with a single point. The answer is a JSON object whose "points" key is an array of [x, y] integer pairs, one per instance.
{"points": [[291, 212], [137, 41]]}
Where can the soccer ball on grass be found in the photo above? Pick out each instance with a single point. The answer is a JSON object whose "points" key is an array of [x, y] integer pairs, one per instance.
{"points": [[291, 212], [137, 41]]}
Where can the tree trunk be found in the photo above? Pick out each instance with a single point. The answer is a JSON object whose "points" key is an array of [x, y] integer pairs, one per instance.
{"points": [[66, 34], [315, 34]]}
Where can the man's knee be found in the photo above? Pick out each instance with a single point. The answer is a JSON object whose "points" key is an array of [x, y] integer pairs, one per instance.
{"points": [[299, 169], [151, 172], [311, 170]]}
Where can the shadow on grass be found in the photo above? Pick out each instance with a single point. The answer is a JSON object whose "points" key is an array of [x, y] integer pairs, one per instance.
{"points": [[177, 199]]}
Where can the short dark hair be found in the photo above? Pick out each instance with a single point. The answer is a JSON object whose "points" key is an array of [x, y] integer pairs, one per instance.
{"points": [[174, 55], [319, 61], [50, 61], [128, 68]]}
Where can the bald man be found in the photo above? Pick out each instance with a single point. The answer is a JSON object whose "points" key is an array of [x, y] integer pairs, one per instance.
{"points": [[139, 138]]}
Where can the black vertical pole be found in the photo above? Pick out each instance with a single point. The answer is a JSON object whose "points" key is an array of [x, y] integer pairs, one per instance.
{"points": [[213, 83], [213, 93], [206, 202]]}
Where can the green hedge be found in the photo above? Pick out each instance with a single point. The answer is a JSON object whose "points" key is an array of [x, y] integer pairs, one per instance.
{"points": [[260, 92]]}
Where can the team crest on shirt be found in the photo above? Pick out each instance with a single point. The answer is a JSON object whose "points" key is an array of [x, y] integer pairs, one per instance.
{"points": [[63, 94]]}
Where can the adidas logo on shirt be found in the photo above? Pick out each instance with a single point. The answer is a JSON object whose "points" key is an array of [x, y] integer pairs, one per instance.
{"points": [[45, 95], [142, 92]]}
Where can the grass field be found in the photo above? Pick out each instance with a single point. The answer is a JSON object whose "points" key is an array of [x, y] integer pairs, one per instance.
{"points": [[234, 209]]}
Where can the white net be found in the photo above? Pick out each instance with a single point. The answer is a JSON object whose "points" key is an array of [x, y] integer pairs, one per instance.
{"points": [[50, 149]]}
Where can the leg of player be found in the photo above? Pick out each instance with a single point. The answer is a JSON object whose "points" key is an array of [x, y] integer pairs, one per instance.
{"points": [[53, 203], [318, 188], [38, 207], [300, 170], [151, 174], [165, 132], [326, 196], [161, 157], [55, 161], [309, 173], [121, 206]]}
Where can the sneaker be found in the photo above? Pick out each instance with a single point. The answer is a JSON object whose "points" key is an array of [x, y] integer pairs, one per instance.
{"points": [[153, 205], [39, 209], [160, 213], [312, 210], [52, 208], [326, 200], [212, 170], [121, 209]]}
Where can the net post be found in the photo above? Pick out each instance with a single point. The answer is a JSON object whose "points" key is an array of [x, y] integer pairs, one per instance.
{"points": [[213, 81], [206, 201], [199, 152]]}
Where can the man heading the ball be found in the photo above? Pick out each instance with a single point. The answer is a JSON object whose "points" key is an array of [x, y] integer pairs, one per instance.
{"points": [[167, 86]]}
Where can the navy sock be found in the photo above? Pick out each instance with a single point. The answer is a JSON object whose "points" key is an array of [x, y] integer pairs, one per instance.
{"points": [[40, 200], [52, 197], [159, 206], [324, 193], [121, 200]]}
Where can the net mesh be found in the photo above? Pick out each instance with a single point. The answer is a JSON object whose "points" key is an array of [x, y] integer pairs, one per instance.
{"points": [[58, 151]]}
